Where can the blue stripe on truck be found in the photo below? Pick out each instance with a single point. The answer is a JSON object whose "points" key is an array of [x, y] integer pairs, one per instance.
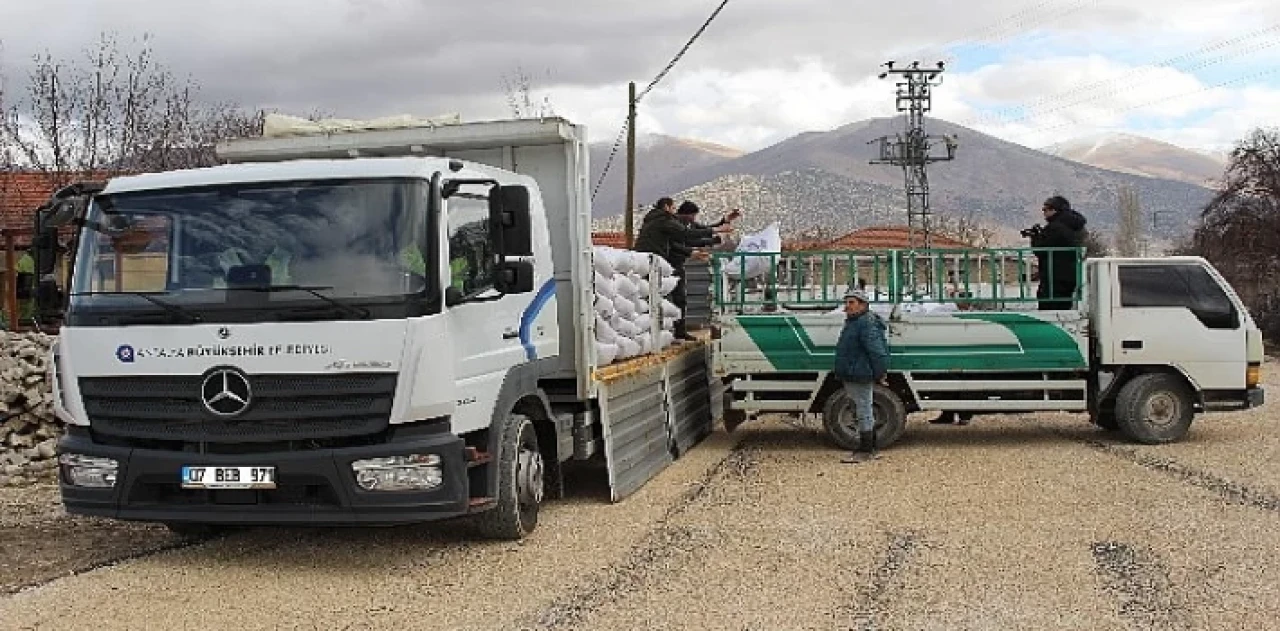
{"points": [[544, 295]]}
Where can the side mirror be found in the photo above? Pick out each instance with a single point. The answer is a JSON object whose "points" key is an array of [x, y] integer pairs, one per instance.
{"points": [[514, 277], [453, 296], [510, 220], [44, 250]]}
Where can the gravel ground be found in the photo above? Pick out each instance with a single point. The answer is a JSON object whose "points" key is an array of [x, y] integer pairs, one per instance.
{"points": [[1007, 523]]}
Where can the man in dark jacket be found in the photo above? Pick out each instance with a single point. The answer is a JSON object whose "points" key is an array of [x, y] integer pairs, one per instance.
{"points": [[687, 213], [1059, 270], [862, 360], [665, 235]]}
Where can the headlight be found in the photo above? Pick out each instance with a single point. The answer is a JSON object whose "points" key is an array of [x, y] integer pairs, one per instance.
{"points": [[88, 471], [415, 472]]}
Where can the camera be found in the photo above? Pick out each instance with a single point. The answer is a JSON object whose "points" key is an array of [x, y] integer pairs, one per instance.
{"points": [[1032, 232]]}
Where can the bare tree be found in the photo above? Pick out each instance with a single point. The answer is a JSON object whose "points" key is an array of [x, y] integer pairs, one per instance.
{"points": [[964, 227], [1129, 233], [1239, 230], [519, 90], [114, 110], [1095, 245]]}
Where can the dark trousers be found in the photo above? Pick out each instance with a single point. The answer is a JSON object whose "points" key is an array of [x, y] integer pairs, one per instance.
{"points": [[680, 298]]}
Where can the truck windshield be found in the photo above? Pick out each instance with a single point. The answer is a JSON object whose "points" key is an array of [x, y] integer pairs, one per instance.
{"points": [[348, 241]]}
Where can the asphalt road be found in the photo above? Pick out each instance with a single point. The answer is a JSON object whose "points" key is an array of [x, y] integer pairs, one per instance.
{"points": [[1039, 522]]}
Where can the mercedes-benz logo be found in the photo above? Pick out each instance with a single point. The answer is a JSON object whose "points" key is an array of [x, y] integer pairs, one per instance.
{"points": [[224, 333], [225, 392]]}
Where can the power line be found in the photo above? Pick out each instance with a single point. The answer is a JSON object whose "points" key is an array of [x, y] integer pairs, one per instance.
{"points": [[1220, 84], [674, 60], [1102, 88], [1006, 28], [622, 134]]}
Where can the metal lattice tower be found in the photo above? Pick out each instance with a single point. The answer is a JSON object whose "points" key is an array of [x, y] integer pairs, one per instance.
{"points": [[913, 149]]}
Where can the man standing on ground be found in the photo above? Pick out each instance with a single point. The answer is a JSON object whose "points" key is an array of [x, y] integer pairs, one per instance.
{"points": [[663, 234], [862, 361]]}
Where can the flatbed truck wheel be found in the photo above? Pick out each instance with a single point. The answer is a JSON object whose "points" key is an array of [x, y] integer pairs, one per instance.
{"points": [[521, 483], [1154, 408], [841, 424]]}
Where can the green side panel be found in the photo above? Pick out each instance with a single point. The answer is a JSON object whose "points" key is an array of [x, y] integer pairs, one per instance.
{"points": [[1040, 346]]}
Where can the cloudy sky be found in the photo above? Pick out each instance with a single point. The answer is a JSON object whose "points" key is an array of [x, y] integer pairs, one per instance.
{"points": [[1036, 72]]}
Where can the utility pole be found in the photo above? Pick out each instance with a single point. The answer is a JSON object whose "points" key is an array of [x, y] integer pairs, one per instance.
{"points": [[913, 149], [631, 166]]}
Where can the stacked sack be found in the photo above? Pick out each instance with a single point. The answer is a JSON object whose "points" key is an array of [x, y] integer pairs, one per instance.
{"points": [[624, 317]]}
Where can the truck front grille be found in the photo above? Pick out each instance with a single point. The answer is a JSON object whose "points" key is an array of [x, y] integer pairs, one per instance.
{"points": [[282, 407]]}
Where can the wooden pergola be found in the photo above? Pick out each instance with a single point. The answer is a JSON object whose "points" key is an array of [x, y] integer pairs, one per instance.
{"points": [[10, 236]]}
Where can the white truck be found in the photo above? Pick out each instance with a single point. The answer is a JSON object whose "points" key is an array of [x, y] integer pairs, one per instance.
{"points": [[1146, 344], [363, 327]]}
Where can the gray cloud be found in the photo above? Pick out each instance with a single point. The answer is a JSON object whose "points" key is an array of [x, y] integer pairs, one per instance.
{"points": [[376, 57]]}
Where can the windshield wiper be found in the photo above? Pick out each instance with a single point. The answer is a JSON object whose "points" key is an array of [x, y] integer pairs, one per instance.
{"points": [[188, 316], [359, 312]]}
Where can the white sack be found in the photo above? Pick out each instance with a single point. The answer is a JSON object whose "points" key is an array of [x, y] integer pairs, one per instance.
{"points": [[768, 240], [604, 332], [606, 353]]}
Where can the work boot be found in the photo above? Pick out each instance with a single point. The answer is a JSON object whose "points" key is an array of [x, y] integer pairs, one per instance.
{"points": [[866, 449], [945, 418]]}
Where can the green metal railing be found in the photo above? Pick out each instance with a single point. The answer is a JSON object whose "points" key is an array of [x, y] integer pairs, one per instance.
{"points": [[978, 278]]}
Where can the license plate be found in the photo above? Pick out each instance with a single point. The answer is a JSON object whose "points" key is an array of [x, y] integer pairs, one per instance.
{"points": [[228, 477]]}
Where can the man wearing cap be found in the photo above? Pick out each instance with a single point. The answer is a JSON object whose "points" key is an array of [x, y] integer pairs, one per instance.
{"points": [[1059, 273], [862, 360]]}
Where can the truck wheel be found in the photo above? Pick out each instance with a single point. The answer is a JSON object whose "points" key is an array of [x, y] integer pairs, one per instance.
{"points": [[841, 423], [520, 483], [1154, 409]]}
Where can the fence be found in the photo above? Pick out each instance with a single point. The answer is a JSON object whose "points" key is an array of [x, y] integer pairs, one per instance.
{"points": [[987, 279]]}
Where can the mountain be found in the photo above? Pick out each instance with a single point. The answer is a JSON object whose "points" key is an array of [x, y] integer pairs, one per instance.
{"points": [[823, 181], [658, 158], [1138, 155]]}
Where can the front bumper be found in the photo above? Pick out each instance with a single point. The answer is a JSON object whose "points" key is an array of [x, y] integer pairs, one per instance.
{"points": [[315, 487]]}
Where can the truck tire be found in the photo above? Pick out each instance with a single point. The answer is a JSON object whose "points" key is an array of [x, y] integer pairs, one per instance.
{"points": [[841, 425], [521, 483], [1154, 408]]}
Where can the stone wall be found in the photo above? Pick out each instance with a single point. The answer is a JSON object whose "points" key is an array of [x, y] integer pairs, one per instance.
{"points": [[28, 429]]}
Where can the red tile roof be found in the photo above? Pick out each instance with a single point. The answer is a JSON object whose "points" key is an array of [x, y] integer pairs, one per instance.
{"points": [[876, 238], [21, 192]]}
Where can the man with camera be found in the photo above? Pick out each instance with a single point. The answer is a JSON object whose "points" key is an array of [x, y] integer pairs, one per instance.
{"points": [[1059, 269]]}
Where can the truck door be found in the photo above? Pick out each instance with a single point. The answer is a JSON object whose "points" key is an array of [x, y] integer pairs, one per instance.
{"points": [[1176, 313], [484, 330]]}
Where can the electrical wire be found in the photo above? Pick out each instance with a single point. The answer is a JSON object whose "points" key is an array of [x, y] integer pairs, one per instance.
{"points": [[612, 152], [1103, 88], [652, 84]]}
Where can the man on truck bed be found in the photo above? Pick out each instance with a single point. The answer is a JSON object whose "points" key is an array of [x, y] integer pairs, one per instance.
{"points": [[663, 234], [1059, 276]]}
